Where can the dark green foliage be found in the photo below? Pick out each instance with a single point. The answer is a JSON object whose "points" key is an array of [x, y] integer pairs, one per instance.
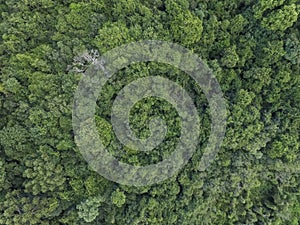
{"points": [[252, 48]]}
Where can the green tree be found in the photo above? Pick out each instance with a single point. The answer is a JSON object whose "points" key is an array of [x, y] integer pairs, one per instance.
{"points": [[281, 19], [89, 209], [118, 198], [186, 28]]}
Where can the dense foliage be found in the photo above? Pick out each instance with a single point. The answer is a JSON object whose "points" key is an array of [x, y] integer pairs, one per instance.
{"points": [[253, 48]]}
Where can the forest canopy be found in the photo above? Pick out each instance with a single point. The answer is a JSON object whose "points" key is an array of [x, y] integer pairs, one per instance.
{"points": [[251, 46]]}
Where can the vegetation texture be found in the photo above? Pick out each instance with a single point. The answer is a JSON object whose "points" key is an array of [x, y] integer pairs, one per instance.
{"points": [[252, 47]]}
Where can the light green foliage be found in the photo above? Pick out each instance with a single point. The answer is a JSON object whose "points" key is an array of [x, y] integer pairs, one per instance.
{"points": [[43, 174], [2, 90], [2, 175], [14, 141], [112, 35], [12, 85], [281, 19], [237, 24], [185, 27], [22, 209], [230, 58], [89, 209], [272, 52], [118, 198], [104, 129], [264, 5], [261, 77]]}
